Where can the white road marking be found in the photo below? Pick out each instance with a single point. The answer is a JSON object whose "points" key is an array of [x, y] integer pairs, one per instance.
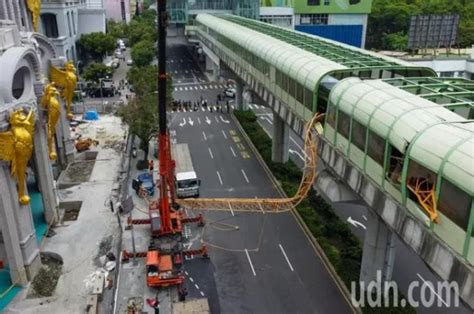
{"points": [[180, 88], [430, 285], [260, 205], [205, 87], [190, 121], [204, 135], [232, 106], [245, 175], [233, 153], [365, 218], [231, 211], [208, 121], [175, 89], [191, 279], [296, 153], [219, 176], [202, 293], [223, 133], [210, 153], [197, 287], [250, 262], [250, 106], [186, 71], [266, 119], [297, 145], [286, 257], [176, 72], [186, 273], [183, 123], [202, 108], [184, 110], [355, 223], [185, 88], [200, 87], [223, 120], [199, 120], [217, 120]]}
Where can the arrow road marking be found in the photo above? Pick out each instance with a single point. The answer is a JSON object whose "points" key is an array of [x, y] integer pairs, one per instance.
{"points": [[208, 121], [183, 123], [266, 119], [296, 153], [355, 223], [191, 121], [223, 120]]}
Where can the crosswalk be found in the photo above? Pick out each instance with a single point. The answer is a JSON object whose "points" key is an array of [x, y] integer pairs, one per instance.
{"points": [[200, 87], [212, 108]]}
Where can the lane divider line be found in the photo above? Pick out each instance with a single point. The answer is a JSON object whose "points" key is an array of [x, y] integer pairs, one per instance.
{"points": [[219, 176], [232, 150], [210, 152], [286, 257], [245, 175], [250, 262]]}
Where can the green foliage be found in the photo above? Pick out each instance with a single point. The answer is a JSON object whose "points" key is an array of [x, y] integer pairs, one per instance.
{"points": [[389, 20], [142, 28], [94, 71], [116, 29], [143, 53], [141, 115], [334, 236], [97, 44]]}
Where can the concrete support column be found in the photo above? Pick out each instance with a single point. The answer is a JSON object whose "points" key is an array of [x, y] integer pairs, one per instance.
{"points": [[216, 71], [44, 172], [239, 91], [8, 226], [379, 251], [280, 141], [65, 143]]}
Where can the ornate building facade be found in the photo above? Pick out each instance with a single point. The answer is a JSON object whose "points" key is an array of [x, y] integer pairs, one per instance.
{"points": [[25, 59]]}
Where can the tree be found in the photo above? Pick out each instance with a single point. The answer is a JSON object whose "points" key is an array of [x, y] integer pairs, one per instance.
{"points": [[116, 29], [393, 16], [141, 115], [143, 53], [97, 44], [140, 29], [94, 71]]}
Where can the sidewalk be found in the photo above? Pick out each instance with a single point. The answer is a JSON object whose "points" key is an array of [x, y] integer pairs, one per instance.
{"points": [[80, 243]]}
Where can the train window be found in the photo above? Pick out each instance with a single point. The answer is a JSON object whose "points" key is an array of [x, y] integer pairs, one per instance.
{"points": [[300, 93], [358, 135], [421, 185], [343, 124], [395, 166], [331, 115], [291, 86], [375, 147], [454, 203], [308, 99]]}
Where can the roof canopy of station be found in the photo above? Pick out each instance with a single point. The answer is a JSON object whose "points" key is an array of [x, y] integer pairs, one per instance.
{"points": [[348, 56], [439, 139]]}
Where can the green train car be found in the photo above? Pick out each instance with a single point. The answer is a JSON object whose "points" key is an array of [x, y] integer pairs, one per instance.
{"points": [[419, 152]]}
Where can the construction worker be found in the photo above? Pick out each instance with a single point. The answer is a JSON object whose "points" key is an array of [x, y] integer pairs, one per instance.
{"points": [[150, 165]]}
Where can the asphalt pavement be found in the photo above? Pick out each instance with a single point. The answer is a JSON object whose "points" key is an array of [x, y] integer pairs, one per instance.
{"points": [[259, 263], [408, 267]]}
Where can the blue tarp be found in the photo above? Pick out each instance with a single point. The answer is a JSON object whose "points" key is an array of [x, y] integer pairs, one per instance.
{"points": [[91, 115], [5, 284], [347, 34]]}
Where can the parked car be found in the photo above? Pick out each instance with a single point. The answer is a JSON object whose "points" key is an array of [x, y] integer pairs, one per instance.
{"points": [[129, 62], [144, 180], [230, 92]]}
